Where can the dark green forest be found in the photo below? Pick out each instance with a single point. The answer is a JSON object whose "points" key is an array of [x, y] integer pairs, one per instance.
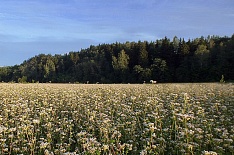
{"points": [[204, 59]]}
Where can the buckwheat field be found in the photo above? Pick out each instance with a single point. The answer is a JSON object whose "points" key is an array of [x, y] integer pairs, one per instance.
{"points": [[70, 119]]}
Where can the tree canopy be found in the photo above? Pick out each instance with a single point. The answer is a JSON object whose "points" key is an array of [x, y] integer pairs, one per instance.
{"points": [[198, 60]]}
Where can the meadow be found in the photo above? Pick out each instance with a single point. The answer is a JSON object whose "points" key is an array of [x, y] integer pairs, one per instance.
{"points": [[70, 119]]}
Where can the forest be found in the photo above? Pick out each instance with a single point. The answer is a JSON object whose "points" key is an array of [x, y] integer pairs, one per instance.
{"points": [[204, 59]]}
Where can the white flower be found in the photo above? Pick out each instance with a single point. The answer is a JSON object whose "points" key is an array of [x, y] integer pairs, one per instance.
{"points": [[105, 147], [36, 121], [43, 145], [209, 153]]}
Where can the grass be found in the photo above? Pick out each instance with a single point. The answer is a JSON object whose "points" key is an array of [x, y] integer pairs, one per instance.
{"points": [[117, 119]]}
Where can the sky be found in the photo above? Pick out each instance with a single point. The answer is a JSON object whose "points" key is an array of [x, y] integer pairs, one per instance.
{"points": [[32, 27]]}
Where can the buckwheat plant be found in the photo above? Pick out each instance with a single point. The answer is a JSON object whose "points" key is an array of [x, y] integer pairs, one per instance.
{"points": [[72, 119]]}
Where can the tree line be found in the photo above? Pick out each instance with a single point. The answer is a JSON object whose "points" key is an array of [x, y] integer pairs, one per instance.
{"points": [[204, 59]]}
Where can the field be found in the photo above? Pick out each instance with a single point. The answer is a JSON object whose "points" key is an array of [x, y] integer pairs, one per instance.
{"points": [[116, 119]]}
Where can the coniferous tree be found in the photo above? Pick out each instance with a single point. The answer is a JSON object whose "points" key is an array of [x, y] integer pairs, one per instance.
{"points": [[198, 60]]}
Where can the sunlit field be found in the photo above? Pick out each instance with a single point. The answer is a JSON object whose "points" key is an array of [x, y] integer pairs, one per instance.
{"points": [[190, 119]]}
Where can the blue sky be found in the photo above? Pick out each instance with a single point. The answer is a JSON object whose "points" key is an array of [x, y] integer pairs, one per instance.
{"points": [[31, 27]]}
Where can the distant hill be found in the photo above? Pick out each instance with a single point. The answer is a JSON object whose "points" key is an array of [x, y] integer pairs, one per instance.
{"points": [[198, 60]]}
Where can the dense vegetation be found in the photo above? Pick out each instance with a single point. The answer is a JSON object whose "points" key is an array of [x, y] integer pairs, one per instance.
{"points": [[102, 119], [198, 60]]}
